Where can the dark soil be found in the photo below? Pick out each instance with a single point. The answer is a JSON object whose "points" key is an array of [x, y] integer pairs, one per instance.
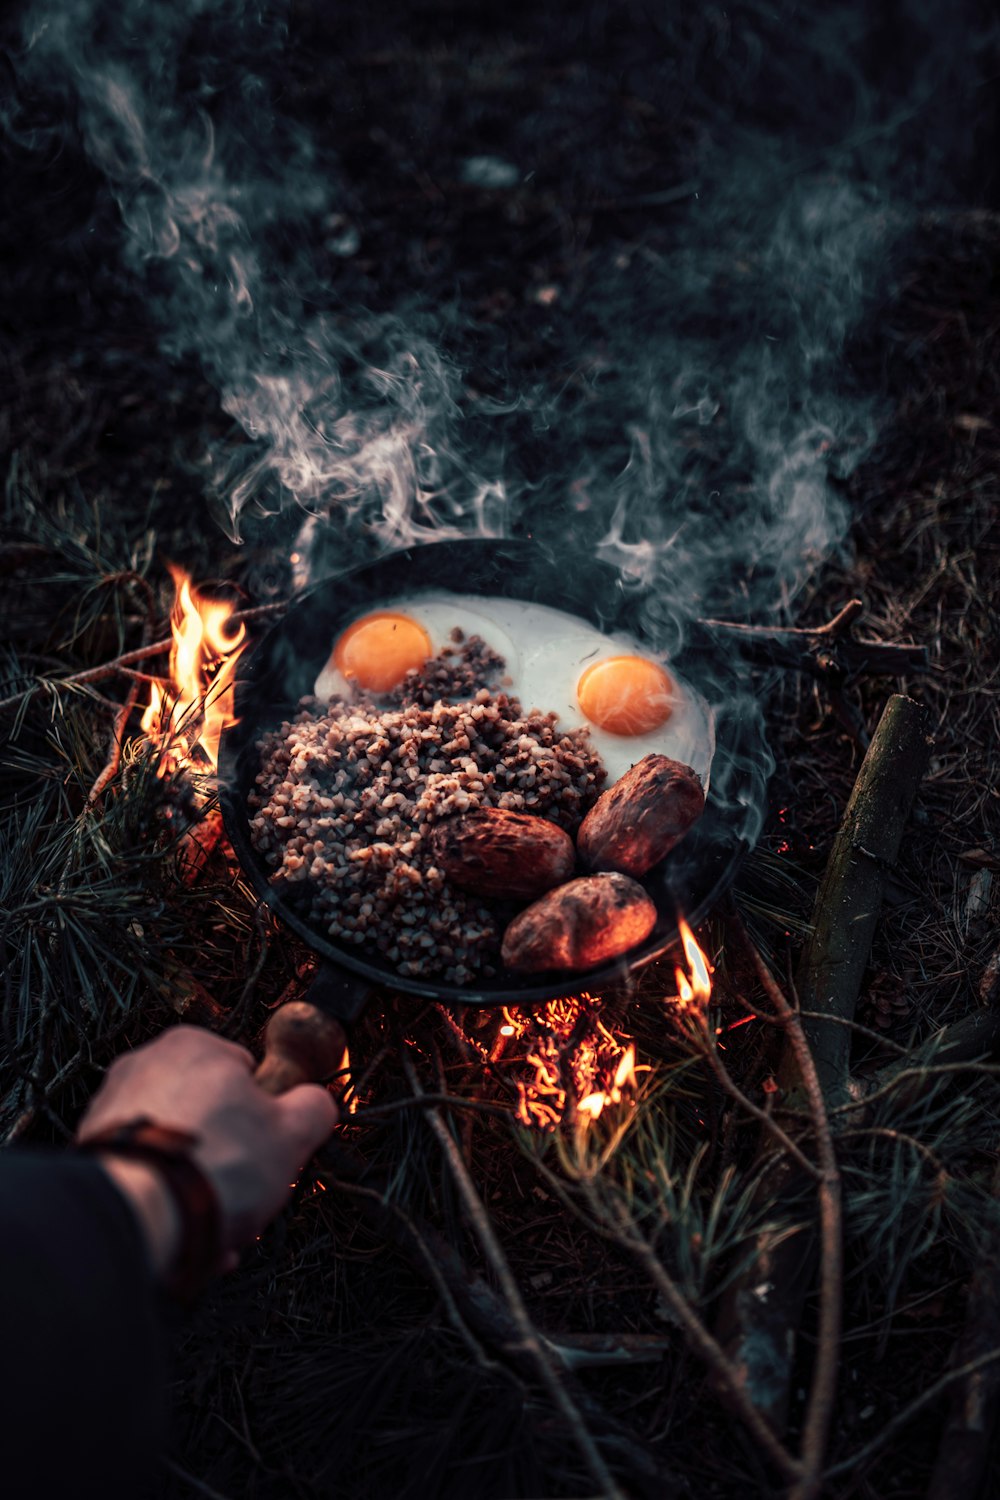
{"points": [[547, 276]]}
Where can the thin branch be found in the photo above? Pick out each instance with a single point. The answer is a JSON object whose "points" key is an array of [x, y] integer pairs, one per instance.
{"points": [[113, 761], [829, 652], [431, 1262], [120, 664], [768, 1121], [819, 1407], [157, 677], [724, 1373], [483, 1310], [493, 1251], [935, 1070], [702, 1342], [858, 1029], [898, 1137], [834, 628], [425, 1101], [902, 1418], [107, 775]]}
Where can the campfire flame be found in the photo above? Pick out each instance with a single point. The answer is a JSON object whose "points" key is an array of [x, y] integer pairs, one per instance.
{"points": [[696, 989], [593, 1104], [198, 704], [574, 1066]]}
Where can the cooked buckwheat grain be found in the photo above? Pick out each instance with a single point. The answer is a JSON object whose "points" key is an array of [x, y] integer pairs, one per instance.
{"points": [[347, 792]]}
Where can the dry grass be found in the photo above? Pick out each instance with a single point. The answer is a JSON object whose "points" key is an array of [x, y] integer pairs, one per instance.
{"points": [[342, 1358]]}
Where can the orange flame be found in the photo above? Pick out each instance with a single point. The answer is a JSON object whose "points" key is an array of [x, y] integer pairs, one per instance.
{"points": [[593, 1104], [572, 1064], [697, 989], [199, 703]]}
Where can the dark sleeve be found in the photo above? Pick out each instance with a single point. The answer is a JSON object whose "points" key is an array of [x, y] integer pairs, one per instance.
{"points": [[83, 1406]]}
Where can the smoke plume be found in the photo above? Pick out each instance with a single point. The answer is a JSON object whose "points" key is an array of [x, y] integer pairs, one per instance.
{"points": [[748, 179], [705, 419]]}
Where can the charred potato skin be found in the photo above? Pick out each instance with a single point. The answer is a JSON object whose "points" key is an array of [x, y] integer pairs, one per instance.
{"points": [[637, 821], [503, 855], [579, 925]]}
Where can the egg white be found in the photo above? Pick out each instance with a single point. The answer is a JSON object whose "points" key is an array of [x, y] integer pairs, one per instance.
{"points": [[546, 652], [439, 614]]}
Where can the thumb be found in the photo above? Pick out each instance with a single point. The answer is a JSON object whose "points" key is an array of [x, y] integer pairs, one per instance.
{"points": [[308, 1114]]}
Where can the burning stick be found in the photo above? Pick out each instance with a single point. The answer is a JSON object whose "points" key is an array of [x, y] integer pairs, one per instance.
{"points": [[124, 665], [185, 719], [203, 655]]}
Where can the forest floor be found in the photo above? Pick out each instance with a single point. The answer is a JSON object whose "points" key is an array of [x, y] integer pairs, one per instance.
{"points": [[354, 1353]]}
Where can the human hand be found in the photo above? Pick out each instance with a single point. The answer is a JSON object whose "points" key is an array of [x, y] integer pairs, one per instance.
{"points": [[251, 1146]]}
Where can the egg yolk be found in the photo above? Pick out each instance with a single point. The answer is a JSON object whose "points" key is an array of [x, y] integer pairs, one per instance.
{"points": [[378, 650], [626, 695]]}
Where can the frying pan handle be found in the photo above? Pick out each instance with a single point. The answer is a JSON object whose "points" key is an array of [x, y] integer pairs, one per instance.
{"points": [[302, 1044], [304, 1041]]}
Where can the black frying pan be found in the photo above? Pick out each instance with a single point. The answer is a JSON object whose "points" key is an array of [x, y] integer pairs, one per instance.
{"points": [[284, 667]]}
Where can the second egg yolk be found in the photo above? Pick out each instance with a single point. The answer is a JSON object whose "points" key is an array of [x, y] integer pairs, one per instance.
{"points": [[626, 695], [378, 650]]}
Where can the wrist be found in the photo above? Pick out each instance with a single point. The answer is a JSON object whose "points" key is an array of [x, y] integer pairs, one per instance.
{"points": [[175, 1201], [153, 1205]]}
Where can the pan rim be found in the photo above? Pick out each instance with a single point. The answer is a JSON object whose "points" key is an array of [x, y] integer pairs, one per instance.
{"points": [[504, 988]]}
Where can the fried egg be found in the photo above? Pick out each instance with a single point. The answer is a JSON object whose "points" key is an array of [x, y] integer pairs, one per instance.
{"points": [[376, 651], [632, 701]]}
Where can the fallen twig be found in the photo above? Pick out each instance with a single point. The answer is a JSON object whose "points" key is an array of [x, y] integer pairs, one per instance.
{"points": [[110, 769], [765, 1120], [473, 1307], [492, 1249], [819, 1406], [120, 664], [705, 1346], [903, 1418], [829, 652], [969, 1040], [759, 1331], [724, 1373]]}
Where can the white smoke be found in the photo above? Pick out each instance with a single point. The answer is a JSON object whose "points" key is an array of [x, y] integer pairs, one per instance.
{"points": [[352, 412], [704, 417]]}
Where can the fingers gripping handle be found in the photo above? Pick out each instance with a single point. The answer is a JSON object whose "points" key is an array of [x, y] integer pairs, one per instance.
{"points": [[301, 1045]]}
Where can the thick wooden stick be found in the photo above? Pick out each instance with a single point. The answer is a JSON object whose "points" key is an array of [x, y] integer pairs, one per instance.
{"points": [[762, 1309], [969, 1040], [849, 899]]}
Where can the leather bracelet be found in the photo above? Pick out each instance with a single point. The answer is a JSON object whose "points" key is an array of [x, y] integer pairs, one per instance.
{"points": [[199, 1256]]}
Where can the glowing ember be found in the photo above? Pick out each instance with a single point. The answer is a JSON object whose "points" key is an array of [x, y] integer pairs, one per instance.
{"points": [[696, 989], [573, 1065], [199, 702]]}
